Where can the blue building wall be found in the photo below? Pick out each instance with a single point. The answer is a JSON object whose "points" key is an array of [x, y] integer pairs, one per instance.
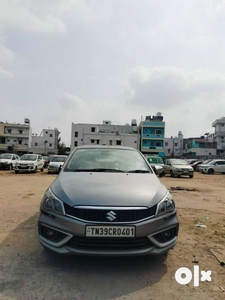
{"points": [[152, 137]]}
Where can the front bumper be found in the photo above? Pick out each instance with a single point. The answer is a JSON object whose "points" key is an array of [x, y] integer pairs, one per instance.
{"points": [[53, 170], [184, 173], [70, 237], [25, 168]]}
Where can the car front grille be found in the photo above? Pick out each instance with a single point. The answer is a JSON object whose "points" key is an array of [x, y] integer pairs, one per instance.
{"points": [[109, 243], [23, 167], [100, 215]]}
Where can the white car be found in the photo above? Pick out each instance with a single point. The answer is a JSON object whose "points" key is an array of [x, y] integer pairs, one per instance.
{"points": [[30, 163], [214, 166], [56, 163], [8, 160]]}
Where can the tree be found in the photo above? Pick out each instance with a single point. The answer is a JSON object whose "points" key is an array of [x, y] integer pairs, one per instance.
{"points": [[62, 149]]}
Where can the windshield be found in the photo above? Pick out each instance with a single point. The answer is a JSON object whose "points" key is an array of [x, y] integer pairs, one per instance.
{"points": [[179, 162], [6, 156], [29, 157], [206, 161], [107, 160], [155, 160], [59, 159]]}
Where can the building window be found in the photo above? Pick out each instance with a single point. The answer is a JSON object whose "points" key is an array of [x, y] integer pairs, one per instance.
{"points": [[153, 131], [152, 143], [146, 130], [168, 150], [75, 144], [158, 144], [92, 129], [110, 142], [50, 134], [50, 145], [46, 132], [20, 131], [9, 130], [35, 144], [20, 142], [76, 134], [98, 142], [92, 141], [15, 141], [118, 142], [175, 144], [158, 131], [166, 144]]}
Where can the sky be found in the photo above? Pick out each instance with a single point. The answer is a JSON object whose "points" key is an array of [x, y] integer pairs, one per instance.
{"points": [[85, 61]]}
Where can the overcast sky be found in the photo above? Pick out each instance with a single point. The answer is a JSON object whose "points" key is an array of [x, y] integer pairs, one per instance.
{"points": [[85, 61]]}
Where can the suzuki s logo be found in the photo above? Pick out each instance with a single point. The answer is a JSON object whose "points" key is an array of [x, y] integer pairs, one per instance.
{"points": [[111, 216]]}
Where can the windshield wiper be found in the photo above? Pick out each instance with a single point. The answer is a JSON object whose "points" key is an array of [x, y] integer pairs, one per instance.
{"points": [[98, 170], [138, 171]]}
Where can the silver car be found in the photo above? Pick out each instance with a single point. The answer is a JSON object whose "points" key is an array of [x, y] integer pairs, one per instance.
{"points": [[107, 201], [56, 163], [213, 166], [178, 167]]}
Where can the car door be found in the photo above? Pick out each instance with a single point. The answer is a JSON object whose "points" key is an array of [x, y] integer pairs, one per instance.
{"points": [[220, 166], [167, 166]]}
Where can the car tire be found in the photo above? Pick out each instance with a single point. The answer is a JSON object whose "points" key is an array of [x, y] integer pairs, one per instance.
{"points": [[16, 171], [35, 170], [210, 171], [42, 169], [191, 176], [10, 167], [49, 172], [172, 174]]}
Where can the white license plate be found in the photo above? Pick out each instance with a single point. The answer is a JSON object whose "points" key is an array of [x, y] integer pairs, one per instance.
{"points": [[110, 231]]}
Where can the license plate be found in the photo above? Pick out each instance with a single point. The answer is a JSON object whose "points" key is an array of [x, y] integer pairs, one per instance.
{"points": [[110, 231]]}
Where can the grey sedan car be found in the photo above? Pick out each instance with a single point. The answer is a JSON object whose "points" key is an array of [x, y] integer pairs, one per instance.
{"points": [[56, 163], [107, 201]]}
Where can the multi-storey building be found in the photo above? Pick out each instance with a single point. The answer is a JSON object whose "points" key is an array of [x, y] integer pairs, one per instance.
{"points": [[15, 137], [46, 142], [199, 147], [152, 132], [105, 134], [219, 135], [174, 146]]}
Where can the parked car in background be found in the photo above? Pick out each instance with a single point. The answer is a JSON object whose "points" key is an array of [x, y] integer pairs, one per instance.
{"points": [[30, 163], [191, 161], [214, 166], [107, 201], [46, 160], [195, 164], [154, 161], [178, 167], [8, 161], [199, 167], [56, 163]]}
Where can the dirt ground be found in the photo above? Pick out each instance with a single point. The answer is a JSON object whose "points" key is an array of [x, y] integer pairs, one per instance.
{"points": [[28, 272]]}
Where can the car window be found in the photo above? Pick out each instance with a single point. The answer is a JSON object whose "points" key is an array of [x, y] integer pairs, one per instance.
{"points": [[114, 159]]}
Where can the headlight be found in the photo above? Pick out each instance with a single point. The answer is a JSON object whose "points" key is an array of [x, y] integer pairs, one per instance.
{"points": [[31, 165], [166, 205], [6, 162], [52, 203]]}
